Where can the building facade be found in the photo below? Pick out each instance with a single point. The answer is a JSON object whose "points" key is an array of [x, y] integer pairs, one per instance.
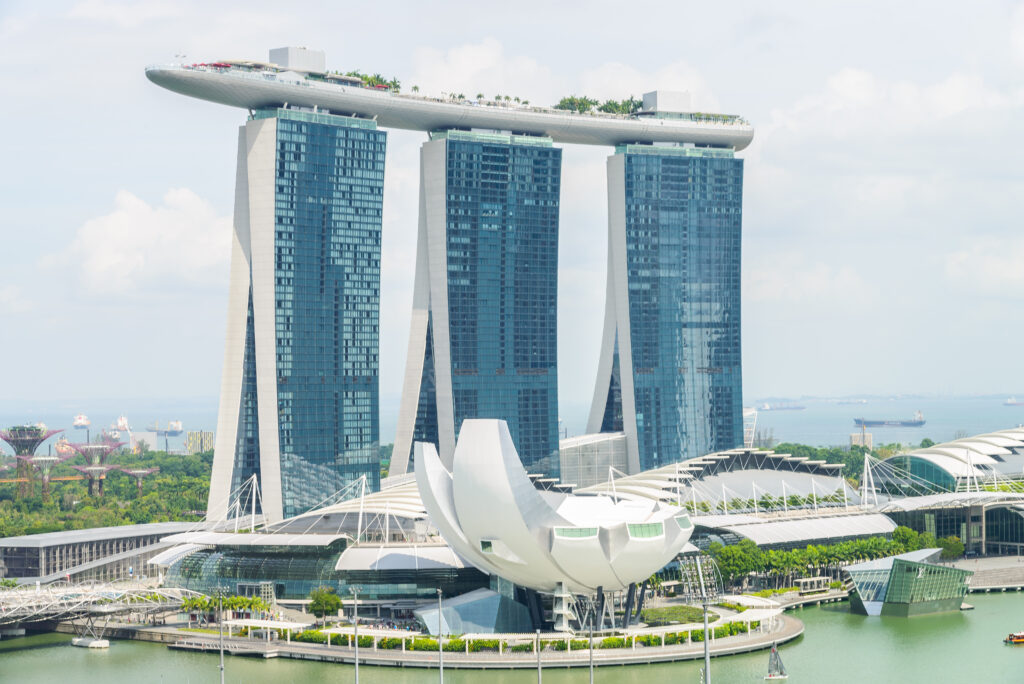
{"points": [[197, 442], [906, 585], [483, 340], [299, 392], [670, 372]]}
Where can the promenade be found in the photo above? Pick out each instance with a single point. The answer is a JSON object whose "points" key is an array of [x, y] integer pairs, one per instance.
{"points": [[785, 628], [775, 628]]}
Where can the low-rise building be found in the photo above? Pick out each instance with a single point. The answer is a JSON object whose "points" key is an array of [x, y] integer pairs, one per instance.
{"points": [[101, 553]]}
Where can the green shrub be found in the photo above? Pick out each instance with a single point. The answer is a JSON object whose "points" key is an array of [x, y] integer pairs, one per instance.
{"points": [[732, 606], [697, 635], [477, 645], [556, 645], [522, 648], [612, 642], [311, 636], [455, 645], [836, 585], [423, 644], [755, 624], [390, 643]]}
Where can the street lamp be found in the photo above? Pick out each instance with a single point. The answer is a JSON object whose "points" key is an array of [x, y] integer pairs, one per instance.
{"points": [[355, 622], [220, 591], [440, 643]]}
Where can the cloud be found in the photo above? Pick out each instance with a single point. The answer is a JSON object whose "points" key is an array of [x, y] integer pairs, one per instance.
{"points": [[616, 80], [140, 250], [792, 278], [124, 15], [484, 68], [13, 300], [988, 267]]}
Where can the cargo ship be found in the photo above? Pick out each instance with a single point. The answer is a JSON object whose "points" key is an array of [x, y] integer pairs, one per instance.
{"points": [[916, 421]]}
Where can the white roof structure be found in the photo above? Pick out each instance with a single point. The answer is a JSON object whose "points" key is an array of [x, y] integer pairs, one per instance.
{"points": [[954, 500], [994, 455], [800, 530], [252, 85], [491, 514], [919, 556], [400, 557]]}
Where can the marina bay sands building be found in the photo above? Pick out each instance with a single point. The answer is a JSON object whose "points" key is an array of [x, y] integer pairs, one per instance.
{"points": [[299, 392], [483, 342], [670, 369]]}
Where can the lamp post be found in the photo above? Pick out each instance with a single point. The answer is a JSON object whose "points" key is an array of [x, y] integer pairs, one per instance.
{"points": [[538, 657], [440, 643], [355, 623], [220, 590], [592, 648]]}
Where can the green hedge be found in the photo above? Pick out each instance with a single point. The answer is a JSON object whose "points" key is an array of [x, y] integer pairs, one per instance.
{"points": [[522, 648], [455, 645], [612, 642], [477, 645], [311, 636], [422, 644], [390, 643]]}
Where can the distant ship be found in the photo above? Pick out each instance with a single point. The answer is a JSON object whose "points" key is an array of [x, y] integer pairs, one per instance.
{"points": [[852, 401], [81, 422], [917, 421], [1012, 401], [780, 407], [173, 428]]}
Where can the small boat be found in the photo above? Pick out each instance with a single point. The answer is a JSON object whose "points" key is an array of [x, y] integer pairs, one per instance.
{"points": [[1014, 638], [776, 670]]}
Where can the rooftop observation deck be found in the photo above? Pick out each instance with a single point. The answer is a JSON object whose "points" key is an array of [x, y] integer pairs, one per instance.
{"points": [[255, 85]]}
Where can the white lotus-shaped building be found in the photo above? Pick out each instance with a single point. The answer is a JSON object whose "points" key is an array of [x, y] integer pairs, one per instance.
{"points": [[490, 512]]}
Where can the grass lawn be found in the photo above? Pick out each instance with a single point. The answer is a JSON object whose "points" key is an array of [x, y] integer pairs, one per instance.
{"points": [[656, 617]]}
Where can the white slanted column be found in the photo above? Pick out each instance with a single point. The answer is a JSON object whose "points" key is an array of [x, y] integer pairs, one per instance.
{"points": [[430, 306], [562, 610]]}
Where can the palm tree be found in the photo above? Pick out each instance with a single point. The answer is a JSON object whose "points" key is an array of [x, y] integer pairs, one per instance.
{"points": [[479, 96], [415, 89]]}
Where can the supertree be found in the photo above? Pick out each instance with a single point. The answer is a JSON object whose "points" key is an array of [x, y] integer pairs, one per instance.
{"points": [[25, 439], [44, 464], [95, 468], [138, 474]]}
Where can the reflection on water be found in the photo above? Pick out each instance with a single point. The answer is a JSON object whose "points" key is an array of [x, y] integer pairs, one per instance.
{"points": [[836, 647]]}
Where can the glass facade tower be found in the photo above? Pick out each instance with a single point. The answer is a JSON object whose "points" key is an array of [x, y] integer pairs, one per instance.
{"points": [[670, 369], [299, 399], [483, 342]]}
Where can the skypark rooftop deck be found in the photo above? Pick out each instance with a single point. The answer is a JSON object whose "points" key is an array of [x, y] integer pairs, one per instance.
{"points": [[254, 85]]}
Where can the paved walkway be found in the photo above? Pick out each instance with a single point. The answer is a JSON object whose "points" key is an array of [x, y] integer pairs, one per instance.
{"points": [[786, 629]]}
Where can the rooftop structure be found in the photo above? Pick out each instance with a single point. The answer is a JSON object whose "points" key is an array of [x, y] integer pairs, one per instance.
{"points": [[255, 85]]}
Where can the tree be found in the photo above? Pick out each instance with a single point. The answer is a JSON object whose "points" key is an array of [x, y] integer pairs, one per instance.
{"points": [[415, 89], [479, 96], [951, 547], [907, 538], [925, 443], [324, 601]]}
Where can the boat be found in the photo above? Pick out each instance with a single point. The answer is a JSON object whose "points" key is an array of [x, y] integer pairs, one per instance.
{"points": [[1014, 638], [1012, 401], [776, 670], [780, 407], [916, 421]]}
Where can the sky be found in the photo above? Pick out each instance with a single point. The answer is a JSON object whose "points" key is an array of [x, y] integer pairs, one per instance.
{"points": [[882, 250]]}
